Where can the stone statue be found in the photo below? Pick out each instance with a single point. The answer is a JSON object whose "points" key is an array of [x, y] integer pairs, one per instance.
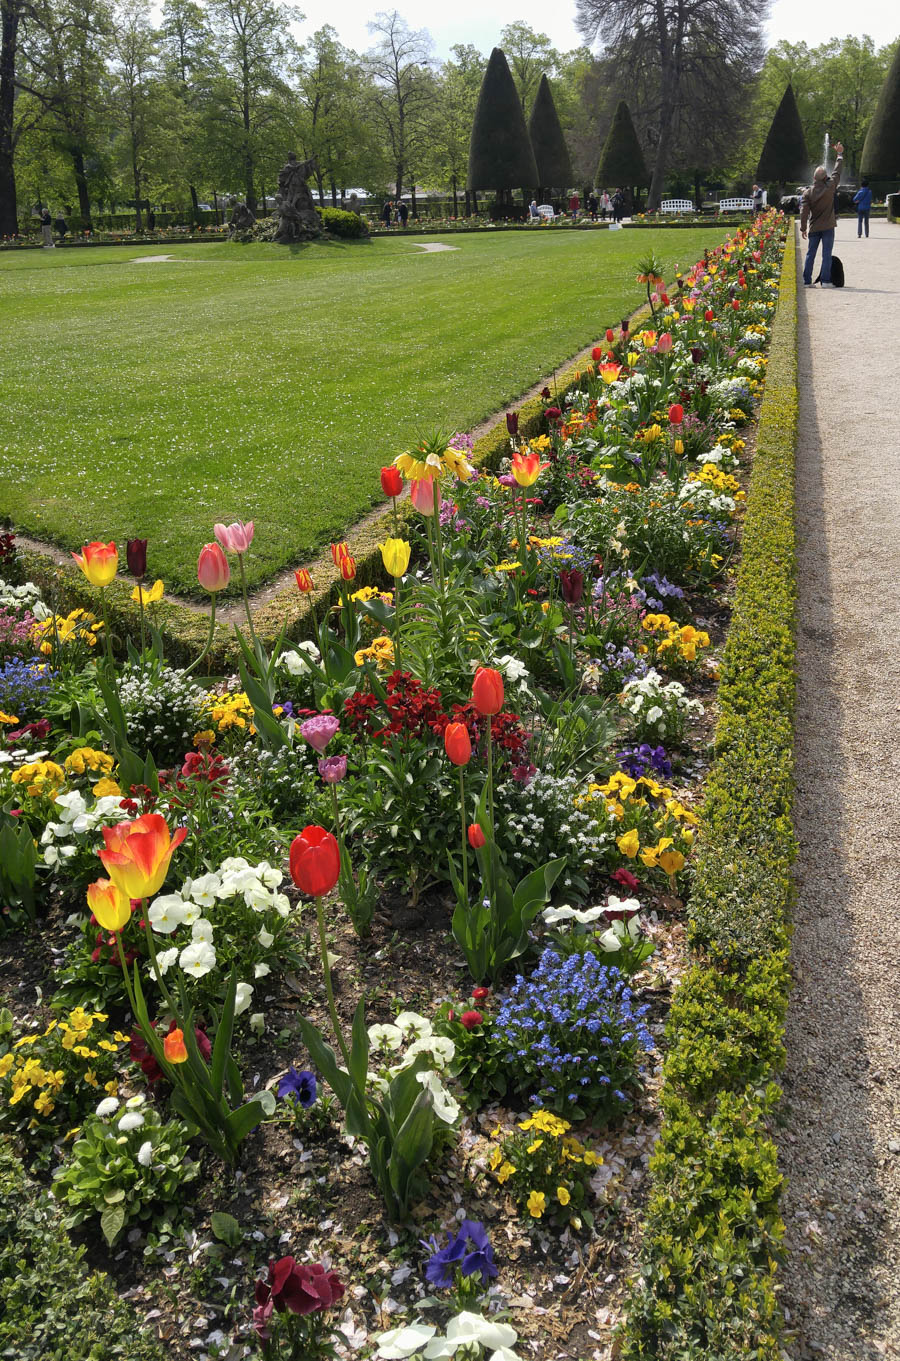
{"points": [[294, 207], [240, 220]]}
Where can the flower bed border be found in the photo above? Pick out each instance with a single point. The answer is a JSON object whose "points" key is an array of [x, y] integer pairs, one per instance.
{"points": [[713, 1232]]}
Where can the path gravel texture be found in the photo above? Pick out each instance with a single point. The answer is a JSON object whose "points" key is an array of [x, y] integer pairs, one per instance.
{"points": [[840, 1140]]}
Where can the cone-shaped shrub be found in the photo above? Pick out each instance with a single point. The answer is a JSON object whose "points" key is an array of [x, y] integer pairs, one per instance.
{"points": [[622, 160], [500, 155], [881, 151], [554, 165], [784, 158]]}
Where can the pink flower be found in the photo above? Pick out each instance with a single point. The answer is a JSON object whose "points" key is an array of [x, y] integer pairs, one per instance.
{"points": [[425, 495], [319, 731], [664, 344], [333, 768], [235, 538]]}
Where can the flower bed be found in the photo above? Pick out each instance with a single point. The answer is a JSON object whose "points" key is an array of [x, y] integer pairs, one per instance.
{"points": [[361, 955]]}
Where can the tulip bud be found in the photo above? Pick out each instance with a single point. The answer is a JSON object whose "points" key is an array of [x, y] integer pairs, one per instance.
{"points": [[338, 551], [213, 571], [736, 305], [348, 568], [303, 580], [476, 836], [709, 314], [457, 743], [315, 861], [597, 353], [512, 423], [610, 336], [572, 585], [676, 413], [664, 344], [99, 562], [487, 690], [136, 557], [395, 556], [546, 394], [425, 495], [391, 481], [678, 446], [553, 413]]}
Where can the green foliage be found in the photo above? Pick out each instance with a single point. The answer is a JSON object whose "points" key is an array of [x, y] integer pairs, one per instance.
{"points": [[52, 1306], [881, 152], [551, 154], [339, 223], [622, 159], [500, 154], [123, 1173], [784, 157], [713, 1235], [18, 871]]}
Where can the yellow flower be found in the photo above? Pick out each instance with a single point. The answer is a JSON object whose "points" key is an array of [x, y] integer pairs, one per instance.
{"points": [[44, 1104], [537, 1204], [495, 1159], [6, 1062], [533, 1148], [111, 1088], [629, 843], [86, 758], [507, 566], [90, 1078], [592, 1159], [672, 861], [18, 1093], [26, 1039], [106, 787], [140, 596], [505, 1172], [395, 556], [8, 718], [562, 1195], [41, 777], [55, 1081]]}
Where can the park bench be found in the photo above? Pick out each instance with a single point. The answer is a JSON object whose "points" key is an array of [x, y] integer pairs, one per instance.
{"points": [[737, 205], [546, 210], [676, 205]]}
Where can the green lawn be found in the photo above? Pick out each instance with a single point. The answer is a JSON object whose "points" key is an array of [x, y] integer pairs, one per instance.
{"points": [[250, 382]]}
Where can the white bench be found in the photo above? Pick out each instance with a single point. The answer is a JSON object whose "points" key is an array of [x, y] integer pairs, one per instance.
{"points": [[546, 210], [676, 205], [737, 205]]}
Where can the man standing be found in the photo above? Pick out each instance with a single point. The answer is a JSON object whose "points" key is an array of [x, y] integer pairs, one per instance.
{"points": [[863, 200], [817, 212]]}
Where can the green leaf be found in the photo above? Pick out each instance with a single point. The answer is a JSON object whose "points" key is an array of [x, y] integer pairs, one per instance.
{"points": [[112, 1221], [226, 1228], [325, 1059], [222, 1047], [359, 1047]]}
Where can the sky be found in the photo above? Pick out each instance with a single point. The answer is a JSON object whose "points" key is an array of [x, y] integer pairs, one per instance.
{"points": [[471, 21]]}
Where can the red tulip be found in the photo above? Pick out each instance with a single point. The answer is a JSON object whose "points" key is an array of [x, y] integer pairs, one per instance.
{"points": [[610, 335], [339, 551], [136, 557], [597, 353], [315, 861], [391, 481], [213, 571], [512, 423], [487, 690], [348, 568], [676, 413], [303, 580], [476, 836], [457, 743], [572, 585], [736, 304], [709, 314], [664, 299]]}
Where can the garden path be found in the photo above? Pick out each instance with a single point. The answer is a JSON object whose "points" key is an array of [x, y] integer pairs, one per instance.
{"points": [[840, 1144]]}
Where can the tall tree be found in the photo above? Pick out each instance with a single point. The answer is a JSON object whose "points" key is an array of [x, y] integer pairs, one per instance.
{"points": [[11, 12], [500, 154], [784, 156], [138, 78], [400, 65], [528, 55], [673, 39], [881, 153], [551, 154], [622, 160], [332, 123], [451, 121], [187, 50]]}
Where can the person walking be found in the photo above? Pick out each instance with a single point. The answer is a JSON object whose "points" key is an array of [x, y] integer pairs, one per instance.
{"points": [[863, 200], [758, 199], [47, 230], [574, 204], [593, 205], [386, 213], [817, 213]]}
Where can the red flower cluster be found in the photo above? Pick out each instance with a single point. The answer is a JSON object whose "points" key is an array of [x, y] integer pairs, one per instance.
{"points": [[141, 1054], [205, 765], [411, 710], [294, 1287], [507, 733]]}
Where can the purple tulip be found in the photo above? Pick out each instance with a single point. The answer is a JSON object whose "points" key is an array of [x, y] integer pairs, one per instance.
{"points": [[333, 768], [319, 731], [512, 422], [136, 557]]}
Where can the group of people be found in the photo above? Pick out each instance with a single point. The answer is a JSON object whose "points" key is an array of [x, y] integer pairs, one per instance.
{"points": [[598, 205], [818, 216], [49, 225], [395, 214]]}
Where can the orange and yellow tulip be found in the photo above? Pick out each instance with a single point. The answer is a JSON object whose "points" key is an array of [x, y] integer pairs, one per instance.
{"points": [[109, 904], [138, 853], [527, 468], [174, 1047], [99, 562]]}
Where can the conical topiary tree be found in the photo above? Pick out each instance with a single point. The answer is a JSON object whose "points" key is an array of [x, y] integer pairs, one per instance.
{"points": [[500, 154], [784, 159], [554, 165], [881, 150], [622, 163]]}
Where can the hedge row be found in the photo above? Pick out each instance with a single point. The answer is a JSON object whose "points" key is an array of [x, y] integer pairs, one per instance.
{"points": [[713, 1233]]}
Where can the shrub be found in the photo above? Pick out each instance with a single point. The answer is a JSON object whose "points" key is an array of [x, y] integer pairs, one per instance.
{"points": [[339, 223]]}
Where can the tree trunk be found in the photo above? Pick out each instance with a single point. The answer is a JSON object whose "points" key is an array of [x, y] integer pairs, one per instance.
{"points": [[333, 194], [194, 201], [412, 199], [398, 187], [468, 205], [320, 184], [9, 225], [136, 175], [474, 201], [455, 207], [698, 199], [250, 192], [84, 200]]}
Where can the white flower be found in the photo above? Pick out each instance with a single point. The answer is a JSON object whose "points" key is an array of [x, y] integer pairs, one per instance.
{"points": [[135, 1102], [385, 1036], [130, 1120], [281, 903], [446, 1108], [554, 915], [260, 970], [514, 669], [398, 1343], [411, 1023], [440, 1047], [197, 958], [654, 714], [166, 913], [468, 1329], [268, 875], [242, 996], [166, 958], [145, 1153], [265, 938], [202, 930], [615, 904], [202, 891], [619, 934], [257, 897], [108, 1106], [257, 1022]]}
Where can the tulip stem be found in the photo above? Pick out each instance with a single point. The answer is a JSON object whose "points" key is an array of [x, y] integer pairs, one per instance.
{"points": [[329, 992], [209, 638], [397, 581], [140, 591], [106, 632], [157, 971], [465, 853], [240, 558], [490, 775], [148, 1033]]}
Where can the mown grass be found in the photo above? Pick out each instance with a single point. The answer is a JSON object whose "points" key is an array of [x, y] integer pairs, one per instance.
{"points": [[252, 382]]}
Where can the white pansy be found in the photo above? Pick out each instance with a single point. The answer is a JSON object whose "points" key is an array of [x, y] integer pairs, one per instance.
{"points": [[440, 1047], [554, 915], [615, 904], [268, 874], [242, 996], [234, 862], [654, 714], [398, 1343], [192, 913], [130, 1120], [145, 1153], [257, 897], [261, 970], [202, 891], [257, 1023], [265, 938], [385, 1036], [514, 669], [411, 1023], [468, 1327], [166, 958], [202, 930], [281, 903], [166, 913], [197, 958], [619, 934], [108, 1106], [446, 1108]]}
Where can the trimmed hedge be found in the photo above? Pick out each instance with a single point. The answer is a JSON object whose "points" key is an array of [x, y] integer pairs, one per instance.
{"points": [[713, 1233]]}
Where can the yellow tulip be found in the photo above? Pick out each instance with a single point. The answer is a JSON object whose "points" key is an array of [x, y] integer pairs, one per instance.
{"points": [[395, 556], [99, 562], [142, 597], [109, 904]]}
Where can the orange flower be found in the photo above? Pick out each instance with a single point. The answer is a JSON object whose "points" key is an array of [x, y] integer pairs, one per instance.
{"points": [[173, 1047], [339, 551], [303, 579], [137, 854], [99, 562], [109, 904], [609, 372], [347, 566], [527, 468]]}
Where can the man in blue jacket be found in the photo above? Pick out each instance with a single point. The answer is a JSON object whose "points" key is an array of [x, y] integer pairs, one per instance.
{"points": [[863, 200]]}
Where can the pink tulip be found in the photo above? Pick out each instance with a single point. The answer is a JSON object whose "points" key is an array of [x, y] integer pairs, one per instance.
{"points": [[664, 344], [318, 731], [235, 538], [425, 495], [213, 571]]}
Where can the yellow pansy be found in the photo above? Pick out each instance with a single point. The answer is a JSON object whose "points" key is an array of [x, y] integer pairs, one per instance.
{"points": [[44, 1104], [105, 787], [505, 1172], [6, 1062], [629, 843], [537, 1204], [495, 1159], [562, 1195], [533, 1148]]}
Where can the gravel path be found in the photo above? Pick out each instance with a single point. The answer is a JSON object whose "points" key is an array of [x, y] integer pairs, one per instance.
{"points": [[840, 1140]]}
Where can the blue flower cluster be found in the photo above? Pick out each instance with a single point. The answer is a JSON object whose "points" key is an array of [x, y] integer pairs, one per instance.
{"points": [[571, 1036], [655, 589], [24, 686], [470, 1251], [621, 661], [636, 761], [566, 554]]}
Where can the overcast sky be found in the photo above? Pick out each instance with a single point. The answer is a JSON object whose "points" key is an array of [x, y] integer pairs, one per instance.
{"points": [[471, 21]]}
